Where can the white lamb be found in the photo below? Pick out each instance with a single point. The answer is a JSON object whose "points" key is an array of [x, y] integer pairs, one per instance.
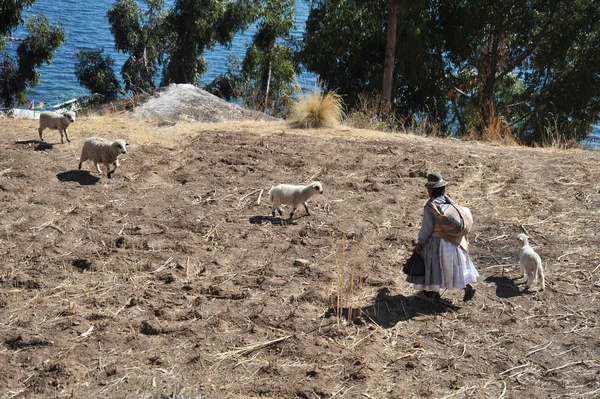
{"points": [[100, 150], [60, 122], [531, 263], [293, 195]]}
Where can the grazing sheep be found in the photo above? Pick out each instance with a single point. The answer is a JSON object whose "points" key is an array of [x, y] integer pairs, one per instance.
{"points": [[289, 194], [531, 263], [100, 150], [52, 120]]}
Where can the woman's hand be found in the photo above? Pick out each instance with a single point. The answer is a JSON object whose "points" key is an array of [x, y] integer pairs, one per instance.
{"points": [[417, 247]]}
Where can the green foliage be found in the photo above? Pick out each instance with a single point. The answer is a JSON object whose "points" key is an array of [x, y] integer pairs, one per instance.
{"points": [[95, 72], [142, 34], [197, 25], [533, 62], [38, 47], [265, 78], [270, 76], [467, 64], [230, 85], [174, 39], [269, 66], [10, 16], [344, 43]]}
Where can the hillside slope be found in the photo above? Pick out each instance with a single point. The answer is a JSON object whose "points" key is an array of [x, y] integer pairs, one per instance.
{"points": [[171, 278]]}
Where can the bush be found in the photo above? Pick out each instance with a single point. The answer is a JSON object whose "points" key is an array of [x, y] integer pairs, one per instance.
{"points": [[96, 73], [368, 114], [315, 110]]}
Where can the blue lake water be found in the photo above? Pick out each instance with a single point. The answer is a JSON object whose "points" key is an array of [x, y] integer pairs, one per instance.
{"points": [[86, 26]]}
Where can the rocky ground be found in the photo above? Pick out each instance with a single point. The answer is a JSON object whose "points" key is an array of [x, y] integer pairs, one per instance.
{"points": [[171, 278]]}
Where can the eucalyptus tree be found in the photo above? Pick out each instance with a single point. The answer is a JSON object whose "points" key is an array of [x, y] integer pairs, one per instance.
{"points": [[194, 26], [21, 56], [140, 32], [269, 64], [534, 63], [264, 80], [347, 42], [95, 72], [343, 44], [530, 65], [390, 57]]}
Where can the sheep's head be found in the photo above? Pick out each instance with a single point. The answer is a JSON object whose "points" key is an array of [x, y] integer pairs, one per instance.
{"points": [[523, 237], [121, 145], [70, 115], [316, 185]]}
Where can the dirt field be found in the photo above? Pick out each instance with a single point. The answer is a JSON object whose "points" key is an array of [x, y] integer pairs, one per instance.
{"points": [[171, 279]]}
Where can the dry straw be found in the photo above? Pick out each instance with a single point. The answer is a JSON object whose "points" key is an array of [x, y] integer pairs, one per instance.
{"points": [[238, 352], [350, 266], [315, 110], [498, 131]]}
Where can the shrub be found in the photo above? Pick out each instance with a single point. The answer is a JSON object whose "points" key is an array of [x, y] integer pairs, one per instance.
{"points": [[95, 72], [315, 110], [496, 131]]}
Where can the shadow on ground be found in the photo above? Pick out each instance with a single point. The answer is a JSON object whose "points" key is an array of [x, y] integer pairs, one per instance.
{"points": [[387, 310], [505, 287], [271, 220], [79, 176], [39, 145]]}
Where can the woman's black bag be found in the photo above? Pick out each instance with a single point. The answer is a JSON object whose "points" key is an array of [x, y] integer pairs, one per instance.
{"points": [[414, 266]]}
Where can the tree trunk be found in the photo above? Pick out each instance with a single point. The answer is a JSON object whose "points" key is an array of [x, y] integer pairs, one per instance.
{"points": [[265, 84], [266, 100], [390, 52], [488, 100]]}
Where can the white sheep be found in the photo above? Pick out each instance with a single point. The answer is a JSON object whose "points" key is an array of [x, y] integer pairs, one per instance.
{"points": [[100, 150], [531, 263], [293, 195], [52, 120]]}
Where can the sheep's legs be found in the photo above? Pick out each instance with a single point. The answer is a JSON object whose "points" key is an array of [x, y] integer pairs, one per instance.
{"points": [[109, 172], [40, 130], [542, 277], [294, 210], [531, 278], [276, 208], [306, 207], [98, 168], [66, 135]]}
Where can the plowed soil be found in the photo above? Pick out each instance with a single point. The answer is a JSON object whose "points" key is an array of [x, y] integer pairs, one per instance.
{"points": [[172, 280]]}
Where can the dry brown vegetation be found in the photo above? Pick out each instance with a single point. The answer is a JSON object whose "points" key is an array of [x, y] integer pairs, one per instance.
{"points": [[171, 278], [317, 109]]}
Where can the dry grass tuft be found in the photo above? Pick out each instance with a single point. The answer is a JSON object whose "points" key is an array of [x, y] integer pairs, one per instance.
{"points": [[496, 131], [367, 114], [315, 110], [350, 260], [552, 136]]}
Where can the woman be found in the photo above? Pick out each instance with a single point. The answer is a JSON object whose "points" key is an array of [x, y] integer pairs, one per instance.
{"points": [[447, 262]]}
